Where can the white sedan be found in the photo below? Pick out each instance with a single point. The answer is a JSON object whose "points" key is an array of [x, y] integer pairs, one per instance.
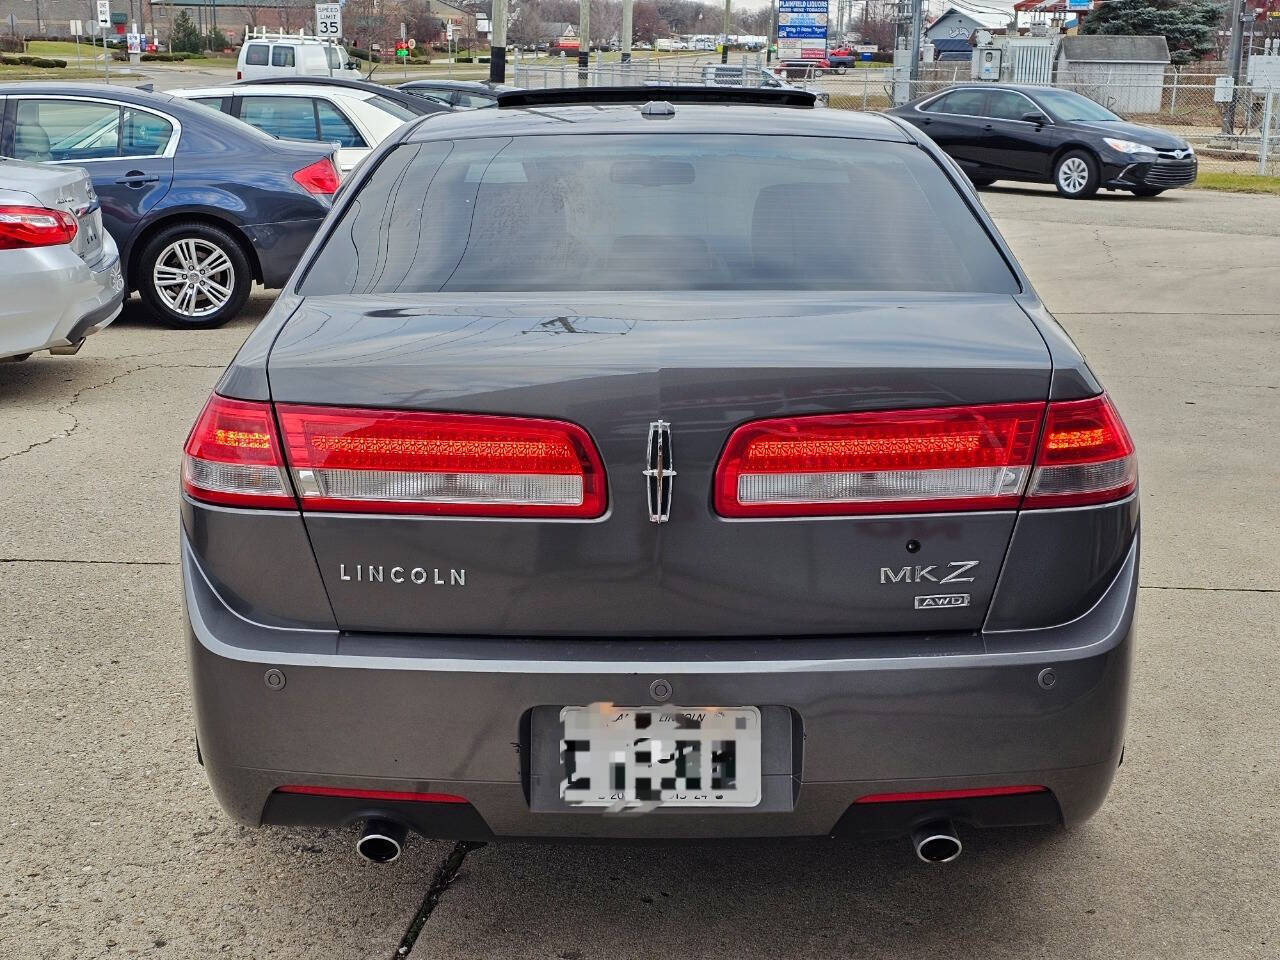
{"points": [[356, 120], [60, 277]]}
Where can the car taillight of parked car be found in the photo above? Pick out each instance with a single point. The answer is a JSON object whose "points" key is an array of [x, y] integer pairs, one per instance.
{"points": [[23, 227], [319, 178], [937, 460], [392, 462]]}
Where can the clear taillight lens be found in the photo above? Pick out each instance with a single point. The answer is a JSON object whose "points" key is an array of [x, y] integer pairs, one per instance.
{"points": [[232, 456], [24, 227], [1086, 456], [390, 461], [903, 461]]}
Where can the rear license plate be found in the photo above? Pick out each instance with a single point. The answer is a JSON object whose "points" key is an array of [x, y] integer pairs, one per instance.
{"points": [[660, 756]]}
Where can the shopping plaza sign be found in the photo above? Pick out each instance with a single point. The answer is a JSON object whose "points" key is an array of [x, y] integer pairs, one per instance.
{"points": [[802, 29]]}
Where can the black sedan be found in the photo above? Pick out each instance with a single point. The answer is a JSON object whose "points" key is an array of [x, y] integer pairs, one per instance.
{"points": [[1046, 135]]}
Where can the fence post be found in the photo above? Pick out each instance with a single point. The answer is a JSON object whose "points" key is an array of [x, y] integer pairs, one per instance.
{"points": [[1173, 97], [1264, 141], [865, 84]]}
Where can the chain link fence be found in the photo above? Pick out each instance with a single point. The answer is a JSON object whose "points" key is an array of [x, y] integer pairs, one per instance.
{"points": [[1232, 132]]}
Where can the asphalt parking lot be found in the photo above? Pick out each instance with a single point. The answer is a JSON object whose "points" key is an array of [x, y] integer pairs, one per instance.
{"points": [[112, 844]]}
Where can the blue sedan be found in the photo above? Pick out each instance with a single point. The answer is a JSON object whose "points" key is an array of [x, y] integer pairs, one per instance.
{"points": [[199, 204]]}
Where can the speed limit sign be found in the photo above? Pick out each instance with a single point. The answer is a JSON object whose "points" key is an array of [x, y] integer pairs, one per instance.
{"points": [[329, 21]]}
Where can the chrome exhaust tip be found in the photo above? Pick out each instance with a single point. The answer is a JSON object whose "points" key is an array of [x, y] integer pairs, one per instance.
{"points": [[381, 841], [936, 842]]}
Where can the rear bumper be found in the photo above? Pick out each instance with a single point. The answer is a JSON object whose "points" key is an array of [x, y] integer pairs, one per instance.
{"points": [[452, 716], [55, 299], [280, 246]]}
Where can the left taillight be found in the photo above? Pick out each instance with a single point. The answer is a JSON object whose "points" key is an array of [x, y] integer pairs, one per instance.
{"points": [[905, 461], [319, 178], [400, 461], [23, 227], [232, 456]]}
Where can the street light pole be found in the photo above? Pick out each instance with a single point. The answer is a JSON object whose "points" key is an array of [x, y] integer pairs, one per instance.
{"points": [[724, 42], [498, 43]]}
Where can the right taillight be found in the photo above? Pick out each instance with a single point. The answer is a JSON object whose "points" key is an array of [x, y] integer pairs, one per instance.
{"points": [[23, 227], [1086, 456]]}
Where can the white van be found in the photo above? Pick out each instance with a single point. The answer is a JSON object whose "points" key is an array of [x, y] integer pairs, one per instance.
{"points": [[285, 55]]}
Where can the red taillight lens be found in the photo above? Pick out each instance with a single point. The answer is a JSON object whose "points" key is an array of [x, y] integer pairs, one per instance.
{"points": [[232, 456], [357, 794], [319, 178], [24, 227], [905, 461], [951, 794], [389, 461], [1086, 456]]}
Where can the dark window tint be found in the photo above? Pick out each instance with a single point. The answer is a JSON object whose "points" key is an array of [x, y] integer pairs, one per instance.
{"points": [[334, 126], [387, 105], [290, 118], [144, 134], [1004, 105], [281, 56], [966, 103], [255, 55], [1072, 106], [473, 100], [656, 212]]}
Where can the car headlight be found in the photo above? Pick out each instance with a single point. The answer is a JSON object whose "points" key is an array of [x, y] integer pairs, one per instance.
{"points": [[1128, 146]]}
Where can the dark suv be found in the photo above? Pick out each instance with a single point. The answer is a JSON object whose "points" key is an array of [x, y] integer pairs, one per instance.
{"points": [[576, 473]]}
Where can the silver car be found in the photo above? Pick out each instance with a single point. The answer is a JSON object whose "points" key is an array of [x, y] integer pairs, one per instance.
{"points": [[60, 278]]}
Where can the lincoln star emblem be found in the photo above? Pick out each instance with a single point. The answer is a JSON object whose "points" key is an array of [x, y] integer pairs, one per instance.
{"points": [[659, 471]]}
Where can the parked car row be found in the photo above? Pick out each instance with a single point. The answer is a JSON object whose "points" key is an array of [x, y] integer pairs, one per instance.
{"points": [[199, 193]]}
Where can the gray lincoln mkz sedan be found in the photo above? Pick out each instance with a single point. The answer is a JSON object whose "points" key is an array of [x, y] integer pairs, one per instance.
{"points": [[578, 485]]}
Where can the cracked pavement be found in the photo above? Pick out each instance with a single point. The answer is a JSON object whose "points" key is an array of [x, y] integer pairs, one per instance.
{"points": [[113, 845]]}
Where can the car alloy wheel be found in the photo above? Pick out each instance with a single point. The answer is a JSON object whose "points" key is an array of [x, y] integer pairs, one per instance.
{"points": [[194, 277], [1073, 174]]}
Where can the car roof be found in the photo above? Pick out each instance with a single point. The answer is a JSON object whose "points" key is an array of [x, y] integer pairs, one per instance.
{"points": [[587, 118], [475, 86], [274, 89], [98, 90]]}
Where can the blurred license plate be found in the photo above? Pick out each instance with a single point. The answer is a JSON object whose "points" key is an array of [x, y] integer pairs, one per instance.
{"points": [[665, 756]]}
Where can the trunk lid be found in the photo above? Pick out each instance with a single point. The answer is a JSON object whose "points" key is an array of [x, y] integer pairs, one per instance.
{"points": [[64, 188], [614, 364]]}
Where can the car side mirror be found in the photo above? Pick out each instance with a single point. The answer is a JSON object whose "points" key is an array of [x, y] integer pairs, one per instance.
{"points": [[1036, 117], [353, 65]]}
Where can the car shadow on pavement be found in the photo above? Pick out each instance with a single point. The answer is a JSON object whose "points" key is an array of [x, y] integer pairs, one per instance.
{"points": [[805, 898]]}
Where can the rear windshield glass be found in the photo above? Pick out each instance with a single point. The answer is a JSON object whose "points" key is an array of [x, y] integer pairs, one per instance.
{"points": [[255, 54], [657, 212]]}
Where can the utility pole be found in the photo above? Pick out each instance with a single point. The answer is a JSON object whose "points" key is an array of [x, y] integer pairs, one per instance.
{"points": [[584, 42], [498, 43], [724, 43], [913, 42], [626, 31], [772, 38], [1233, 59]]}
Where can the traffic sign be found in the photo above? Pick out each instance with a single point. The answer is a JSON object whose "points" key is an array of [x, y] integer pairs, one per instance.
{"points": [[104, 13], [412, 43], [329, 21], [402, 48]]}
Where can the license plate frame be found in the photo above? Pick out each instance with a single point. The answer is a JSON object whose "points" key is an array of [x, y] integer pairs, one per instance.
{"points": [[667, 756]]}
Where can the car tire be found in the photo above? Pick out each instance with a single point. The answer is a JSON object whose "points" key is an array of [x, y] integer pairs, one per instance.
{"points": [[193, 276], [1146, 191], [842, 70], [981, 181], [1076, 175]]}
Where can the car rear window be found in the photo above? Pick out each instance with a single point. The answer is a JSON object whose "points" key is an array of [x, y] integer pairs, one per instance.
{"points": [[657, 212], [255, 54]]}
